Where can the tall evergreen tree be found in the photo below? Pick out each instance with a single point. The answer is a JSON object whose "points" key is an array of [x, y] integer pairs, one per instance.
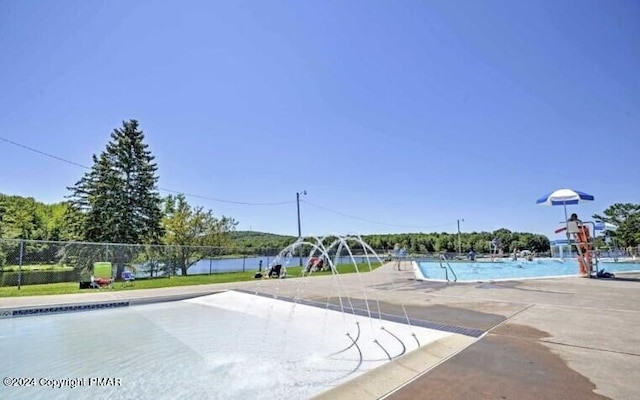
{"points": [[117, 201]]}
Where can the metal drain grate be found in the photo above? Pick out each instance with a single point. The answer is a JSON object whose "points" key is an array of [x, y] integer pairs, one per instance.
{"points": [[29, 312]]}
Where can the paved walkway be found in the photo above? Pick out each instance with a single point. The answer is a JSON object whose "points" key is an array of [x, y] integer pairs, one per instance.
{"points": [[565, 338]]}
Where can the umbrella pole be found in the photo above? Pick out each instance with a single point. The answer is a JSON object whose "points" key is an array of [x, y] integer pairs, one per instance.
{"points": [[566, 224]]}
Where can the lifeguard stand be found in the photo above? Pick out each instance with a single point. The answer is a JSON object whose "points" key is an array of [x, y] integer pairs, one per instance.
{"points": [[579, 235]]}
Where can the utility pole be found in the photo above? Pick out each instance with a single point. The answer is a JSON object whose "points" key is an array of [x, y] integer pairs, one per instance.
{"points": [[304, 192], [459, 238]]}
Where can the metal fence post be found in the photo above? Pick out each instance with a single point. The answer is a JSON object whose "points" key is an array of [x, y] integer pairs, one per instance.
{"points": [[20, 263]]}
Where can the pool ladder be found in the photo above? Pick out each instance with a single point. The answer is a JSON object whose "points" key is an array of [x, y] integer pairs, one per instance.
{"points": [[447, 267]]}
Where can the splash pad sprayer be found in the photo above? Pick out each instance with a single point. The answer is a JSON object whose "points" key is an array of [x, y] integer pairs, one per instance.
{"points": [[334, 250]]}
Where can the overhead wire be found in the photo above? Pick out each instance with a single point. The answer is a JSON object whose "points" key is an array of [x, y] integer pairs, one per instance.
{"points": [[62, 159], [247, 203], [372, 221], [43, 153]]}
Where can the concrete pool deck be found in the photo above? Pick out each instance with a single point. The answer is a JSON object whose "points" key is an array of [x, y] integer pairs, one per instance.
{"points": [[569, 338]]}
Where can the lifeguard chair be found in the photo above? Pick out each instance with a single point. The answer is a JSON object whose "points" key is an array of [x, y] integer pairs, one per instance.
{"points": [[579, 234]]}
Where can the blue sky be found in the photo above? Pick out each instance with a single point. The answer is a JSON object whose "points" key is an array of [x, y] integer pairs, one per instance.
{"points": [[408, 115]]}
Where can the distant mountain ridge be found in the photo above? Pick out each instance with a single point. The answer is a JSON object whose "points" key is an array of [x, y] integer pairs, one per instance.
{"points": [[254, 239], [245, 234]]}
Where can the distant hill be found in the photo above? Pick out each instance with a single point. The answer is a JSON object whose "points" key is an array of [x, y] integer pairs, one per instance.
{"points": [[252, 239], [240, 235]]}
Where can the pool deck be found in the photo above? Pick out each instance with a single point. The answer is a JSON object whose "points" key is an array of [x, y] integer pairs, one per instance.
{"points": [[561, 338]]}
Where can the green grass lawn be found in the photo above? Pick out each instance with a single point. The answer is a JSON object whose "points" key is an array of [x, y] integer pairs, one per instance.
{"points": [[37, 267], [72, 287]]}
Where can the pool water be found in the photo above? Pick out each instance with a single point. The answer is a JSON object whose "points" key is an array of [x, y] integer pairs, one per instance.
{"points": [[483, 271], [224, 346]]}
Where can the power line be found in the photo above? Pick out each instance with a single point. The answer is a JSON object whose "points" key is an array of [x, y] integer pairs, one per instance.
{"points": [[375, 222], [43, 153], [61, 159], [278, 203], [246, 203]]}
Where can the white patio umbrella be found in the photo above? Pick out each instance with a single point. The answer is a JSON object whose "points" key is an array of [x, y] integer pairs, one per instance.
{"points": [[564, 197]]}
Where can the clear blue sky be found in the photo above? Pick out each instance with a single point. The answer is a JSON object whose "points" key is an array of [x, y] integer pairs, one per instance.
{"points": [[408, 113]]}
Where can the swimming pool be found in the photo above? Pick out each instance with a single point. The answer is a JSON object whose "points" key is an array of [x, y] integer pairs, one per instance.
{"points": [[229, 345], [485, 271]]}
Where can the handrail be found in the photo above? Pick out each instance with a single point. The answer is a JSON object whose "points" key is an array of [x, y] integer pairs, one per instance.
{"points": [[446, 273], [594, 253]]}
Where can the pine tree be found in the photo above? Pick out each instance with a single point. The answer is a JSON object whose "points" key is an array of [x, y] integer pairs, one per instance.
{"points": [[117, 200]]}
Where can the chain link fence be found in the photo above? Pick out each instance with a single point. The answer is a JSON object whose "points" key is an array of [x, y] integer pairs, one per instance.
{"points": [[30, 262]]}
